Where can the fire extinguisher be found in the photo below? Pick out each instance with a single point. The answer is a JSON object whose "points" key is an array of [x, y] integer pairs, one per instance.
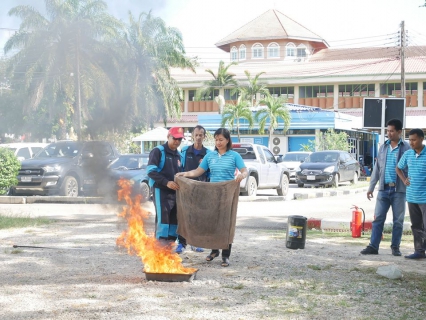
{"points": [[356, 225]]}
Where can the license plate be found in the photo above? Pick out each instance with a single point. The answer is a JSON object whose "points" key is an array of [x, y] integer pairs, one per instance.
{"points": [[26, 179], [310, 177]]}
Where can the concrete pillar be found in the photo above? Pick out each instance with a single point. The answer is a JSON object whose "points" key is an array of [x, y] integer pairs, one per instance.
{"points": [[420, 95], [377, 89], [296, 94], [185, 100], [336, 97]]}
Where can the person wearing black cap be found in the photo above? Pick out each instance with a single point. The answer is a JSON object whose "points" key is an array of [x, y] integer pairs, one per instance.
{"points": [[163, 163]]}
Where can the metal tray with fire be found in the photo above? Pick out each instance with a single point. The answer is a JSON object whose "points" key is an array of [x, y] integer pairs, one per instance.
{"points": [[170, 277]]}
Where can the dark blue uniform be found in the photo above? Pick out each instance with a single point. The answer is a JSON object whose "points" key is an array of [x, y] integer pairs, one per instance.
{"points": [[164, 197], [191, 159]]}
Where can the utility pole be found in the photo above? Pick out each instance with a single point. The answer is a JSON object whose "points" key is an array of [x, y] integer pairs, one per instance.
{"points": [[403, 39], [402, 59]]}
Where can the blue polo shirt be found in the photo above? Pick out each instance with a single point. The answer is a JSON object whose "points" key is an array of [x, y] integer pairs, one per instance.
{"points": [[416, 164], [222, 167], [391, 162]]}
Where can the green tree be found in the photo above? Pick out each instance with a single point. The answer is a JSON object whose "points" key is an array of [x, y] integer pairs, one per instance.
{"points": [[232, 113], [223, 79], [58, 57], [151, 50], [275, 108], [253, 87], [331, 140], [9, 167]]}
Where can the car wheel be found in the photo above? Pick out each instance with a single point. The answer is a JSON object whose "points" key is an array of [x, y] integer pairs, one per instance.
{"points": [[336, 180], [251, 187], [144, 191], [69, 187], [355, 179], [283, 188], [300, 184]]}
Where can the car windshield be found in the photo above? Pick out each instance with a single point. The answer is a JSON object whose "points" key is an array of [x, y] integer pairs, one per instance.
{"points": [[130, 162], [60, 150], [323, 157], [246, 153], [295, 157]]}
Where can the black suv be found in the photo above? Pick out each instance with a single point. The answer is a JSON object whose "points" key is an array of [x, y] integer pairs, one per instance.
{"points": [[67, 168]]}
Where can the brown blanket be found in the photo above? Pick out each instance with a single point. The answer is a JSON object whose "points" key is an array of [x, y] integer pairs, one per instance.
{"points": [[207, 212]]}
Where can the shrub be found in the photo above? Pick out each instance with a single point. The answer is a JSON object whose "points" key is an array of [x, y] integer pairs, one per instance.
{"points": [[9, 167]]}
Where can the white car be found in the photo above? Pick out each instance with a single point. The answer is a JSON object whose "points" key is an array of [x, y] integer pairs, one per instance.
{"points": [[24, 150], [292, 161]]}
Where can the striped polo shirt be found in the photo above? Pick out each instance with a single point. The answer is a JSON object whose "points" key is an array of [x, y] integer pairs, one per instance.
{"points": [[416, 164], [391, 162], [222, 167]]}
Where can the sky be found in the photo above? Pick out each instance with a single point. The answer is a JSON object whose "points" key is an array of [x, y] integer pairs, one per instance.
{"points": [[204, 22]]}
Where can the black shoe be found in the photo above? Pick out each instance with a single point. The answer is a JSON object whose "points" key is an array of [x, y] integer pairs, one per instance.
{"points": [[395, 251], [370, 250]]}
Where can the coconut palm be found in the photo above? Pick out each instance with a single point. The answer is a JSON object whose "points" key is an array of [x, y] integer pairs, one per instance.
{"points": [[152, 49], [254, 87], [58, 56], [274, 108], [232, 113], [221, 80]]}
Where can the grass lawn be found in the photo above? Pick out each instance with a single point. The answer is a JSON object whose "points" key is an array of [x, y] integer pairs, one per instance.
{"points": [[7, 222]]}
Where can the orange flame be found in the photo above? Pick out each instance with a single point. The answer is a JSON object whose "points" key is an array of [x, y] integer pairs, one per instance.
{"points": [[156, 257]]}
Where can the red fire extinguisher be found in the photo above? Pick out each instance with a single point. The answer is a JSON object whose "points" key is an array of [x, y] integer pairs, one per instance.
{"points": [[356, 225]]}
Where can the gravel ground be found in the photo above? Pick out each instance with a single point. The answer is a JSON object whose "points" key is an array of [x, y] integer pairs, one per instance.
{"points": [[328, 279]]}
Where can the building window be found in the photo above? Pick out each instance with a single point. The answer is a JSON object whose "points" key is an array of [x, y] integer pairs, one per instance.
{"points": [[316, 91], [229, 96], [301, 51], [394, 89], [273, 50], [243, 52], [192, 94], [290, 50], [363, 90], [287, 92], [234, 54], [257, 50]]}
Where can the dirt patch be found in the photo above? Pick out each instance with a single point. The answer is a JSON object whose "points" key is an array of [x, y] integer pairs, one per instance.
{"points": [[328, 279]]}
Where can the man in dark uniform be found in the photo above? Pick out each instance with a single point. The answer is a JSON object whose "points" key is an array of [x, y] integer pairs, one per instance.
{"points": [[164, 162], [191, 159]]}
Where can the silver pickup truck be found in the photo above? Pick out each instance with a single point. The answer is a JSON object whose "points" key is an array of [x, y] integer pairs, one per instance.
{"points": [[264, 170]]}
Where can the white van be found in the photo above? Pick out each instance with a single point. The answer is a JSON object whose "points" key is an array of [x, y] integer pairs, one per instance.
{"points": [[24, 150]]}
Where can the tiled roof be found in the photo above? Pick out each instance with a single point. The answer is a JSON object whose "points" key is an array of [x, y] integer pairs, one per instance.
{"points": [[408, 112], [366, 53], [270, 25], [378, 69], [184, 118]]}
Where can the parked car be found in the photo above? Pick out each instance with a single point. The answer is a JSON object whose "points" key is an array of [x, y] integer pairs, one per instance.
{"points": [[292, 161], [264, 170], [24, 150], [328, 168], [67, 168], [131, 167]]}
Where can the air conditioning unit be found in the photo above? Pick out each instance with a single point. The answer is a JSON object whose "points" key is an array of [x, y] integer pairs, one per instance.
{"points": [[276, 141], [276, 150]]}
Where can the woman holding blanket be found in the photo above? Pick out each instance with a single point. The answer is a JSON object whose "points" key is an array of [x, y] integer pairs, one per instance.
{"points": [[222, 164]]}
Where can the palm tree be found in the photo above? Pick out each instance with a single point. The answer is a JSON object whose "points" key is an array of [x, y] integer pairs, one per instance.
{"points": [[58, 56], [253, 87], [232, 113], [222, 79], [274, 109], [152, 49]]}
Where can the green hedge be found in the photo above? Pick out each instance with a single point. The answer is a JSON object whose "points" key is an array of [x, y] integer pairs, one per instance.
{"points": [[9, 167]]}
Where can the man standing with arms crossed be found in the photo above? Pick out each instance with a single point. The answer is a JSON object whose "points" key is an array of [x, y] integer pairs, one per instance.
{"points": [[191, 159], [391, 189], [415, 161]]}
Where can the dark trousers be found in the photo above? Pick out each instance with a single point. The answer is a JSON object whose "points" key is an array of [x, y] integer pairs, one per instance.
{"points": [[226, 253], [418, 225]]}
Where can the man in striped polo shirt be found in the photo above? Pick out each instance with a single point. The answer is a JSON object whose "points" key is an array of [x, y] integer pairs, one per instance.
{"points": [[415, 161], [391, 189]]}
